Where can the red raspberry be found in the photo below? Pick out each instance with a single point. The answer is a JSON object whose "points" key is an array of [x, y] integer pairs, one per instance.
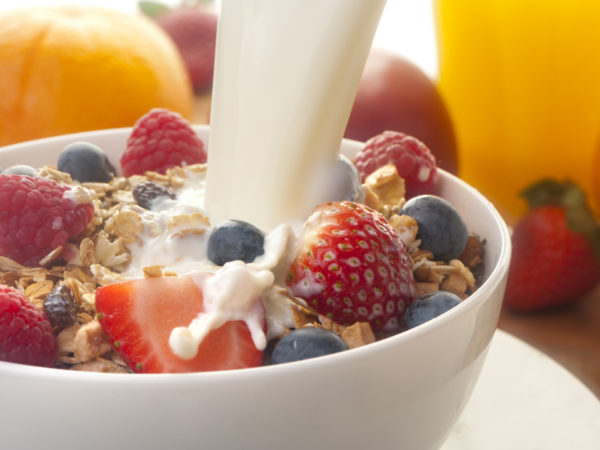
{"points": [[352, 266], [161, 139], [37, 215], [413, 160], [25, 332], [194, 32]]}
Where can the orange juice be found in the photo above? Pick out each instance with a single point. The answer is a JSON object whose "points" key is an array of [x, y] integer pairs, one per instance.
{"points": [[596, 177], [522, 82]]}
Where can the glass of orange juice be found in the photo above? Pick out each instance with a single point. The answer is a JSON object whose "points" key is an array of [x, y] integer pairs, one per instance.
{"points": [[522, 83]]}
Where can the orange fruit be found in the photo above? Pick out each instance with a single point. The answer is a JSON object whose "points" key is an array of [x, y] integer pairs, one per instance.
{"points": [[72, 68]]}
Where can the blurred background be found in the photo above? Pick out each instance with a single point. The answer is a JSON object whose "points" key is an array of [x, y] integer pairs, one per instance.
{"points": [[502, 92], [406, 26]]}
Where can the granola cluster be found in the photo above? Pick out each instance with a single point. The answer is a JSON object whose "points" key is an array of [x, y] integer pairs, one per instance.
{"points": [[101, 253]]}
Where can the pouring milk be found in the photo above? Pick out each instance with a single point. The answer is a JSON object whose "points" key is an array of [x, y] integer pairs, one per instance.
{"points": [[286, 74]]}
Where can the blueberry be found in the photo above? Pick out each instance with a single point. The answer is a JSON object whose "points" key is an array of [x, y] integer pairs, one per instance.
{"points": [[235, 240], [147, 192], [85, 162], [429, 306], [337, 182], [21, 169], [349, 186], [305, 343], [441, 229], [60, 307]]}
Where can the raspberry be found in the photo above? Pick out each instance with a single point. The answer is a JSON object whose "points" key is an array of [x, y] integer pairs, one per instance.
{"points": [[413, 160], [25, 332], [37, 215], [161, 139]]}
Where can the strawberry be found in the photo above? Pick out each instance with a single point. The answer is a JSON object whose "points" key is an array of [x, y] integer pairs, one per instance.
{"points": [[556, 257], [138, 317], [352, 266]]}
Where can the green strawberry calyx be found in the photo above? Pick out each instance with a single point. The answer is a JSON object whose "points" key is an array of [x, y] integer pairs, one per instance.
{"points": [[153, 9], [572, 199]]}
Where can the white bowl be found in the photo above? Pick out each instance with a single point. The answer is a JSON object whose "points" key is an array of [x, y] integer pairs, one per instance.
{"points": [[403, 392]]}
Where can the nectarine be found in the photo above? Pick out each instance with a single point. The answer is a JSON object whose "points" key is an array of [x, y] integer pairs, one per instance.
{"points": [[395, 94]]}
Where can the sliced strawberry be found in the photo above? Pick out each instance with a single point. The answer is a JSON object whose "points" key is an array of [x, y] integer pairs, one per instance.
{"points": [[138, 317]]}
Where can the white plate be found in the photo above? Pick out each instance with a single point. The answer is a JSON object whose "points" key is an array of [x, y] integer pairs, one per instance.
{"points": [[524, 400]]}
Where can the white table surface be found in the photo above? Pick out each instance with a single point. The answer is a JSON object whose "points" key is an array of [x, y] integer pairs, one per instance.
{"points": [[526, 401]]}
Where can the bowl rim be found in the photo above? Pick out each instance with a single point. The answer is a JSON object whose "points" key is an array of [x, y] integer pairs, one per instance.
{"points": [[489, 285]]}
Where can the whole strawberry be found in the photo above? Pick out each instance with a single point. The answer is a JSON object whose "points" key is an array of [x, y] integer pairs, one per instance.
{"points": [[161, 139], [194, 31], [555, 259], [25, 331], [351, 266], [38, 215], [413, 160]]}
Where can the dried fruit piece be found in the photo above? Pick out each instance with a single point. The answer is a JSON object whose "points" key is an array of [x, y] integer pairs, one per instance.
{"points": [[60, 307], [147, 192]]}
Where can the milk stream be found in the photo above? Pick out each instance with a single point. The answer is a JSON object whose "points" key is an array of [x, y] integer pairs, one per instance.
{"points": [[286, 74]]}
